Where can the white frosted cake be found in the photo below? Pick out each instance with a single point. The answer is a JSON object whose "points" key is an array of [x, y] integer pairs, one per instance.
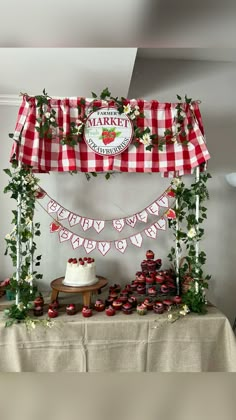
{"points": [[80, 272]]}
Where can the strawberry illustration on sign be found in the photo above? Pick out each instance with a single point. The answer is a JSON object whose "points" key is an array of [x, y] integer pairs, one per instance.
{"points": [[171, 193], [109, 135], [170, 214]]}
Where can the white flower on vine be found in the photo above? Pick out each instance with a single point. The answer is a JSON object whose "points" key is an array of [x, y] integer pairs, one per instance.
{"points": [[132, 116], [175, 182], [20, 306], [192, 233], [8, 236], [47, 115], [146, 139], [29, 278], [13, 238], [127, 109], [186, 308], [182, 113], [170, 316], [31, 324], [80, 127], [136, 113], [52, 119], [136, 107]]}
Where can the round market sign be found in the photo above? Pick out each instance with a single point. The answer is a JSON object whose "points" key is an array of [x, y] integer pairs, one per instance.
{"points": [[107, 132]]}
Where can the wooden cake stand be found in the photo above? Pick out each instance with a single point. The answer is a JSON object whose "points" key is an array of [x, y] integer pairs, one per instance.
{"points": [[57, 286]]}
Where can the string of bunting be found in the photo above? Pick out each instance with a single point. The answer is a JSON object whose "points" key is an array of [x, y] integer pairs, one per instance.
{"points": [[53, 207], [105, 246]]}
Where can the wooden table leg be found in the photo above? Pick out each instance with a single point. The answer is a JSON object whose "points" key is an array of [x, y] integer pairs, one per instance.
{"points": [[54, 295], [86, 298]]}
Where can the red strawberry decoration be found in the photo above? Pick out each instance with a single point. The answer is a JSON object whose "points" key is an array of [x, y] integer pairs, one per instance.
{"points": [[171, 193], [171, 214]]}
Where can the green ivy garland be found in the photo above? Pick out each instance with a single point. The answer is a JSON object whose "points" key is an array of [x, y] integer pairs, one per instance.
{"points": [[188, 231], [22, 182]]}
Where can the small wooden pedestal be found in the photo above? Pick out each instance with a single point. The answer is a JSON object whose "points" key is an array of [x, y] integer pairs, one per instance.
{"points": [[57, 286]]}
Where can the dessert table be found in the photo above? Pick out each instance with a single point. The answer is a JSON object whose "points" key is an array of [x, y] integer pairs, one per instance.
{"points": [[122, 343]]}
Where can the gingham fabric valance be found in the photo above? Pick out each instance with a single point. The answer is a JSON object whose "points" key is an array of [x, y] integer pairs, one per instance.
{"points": [[46, 155]]}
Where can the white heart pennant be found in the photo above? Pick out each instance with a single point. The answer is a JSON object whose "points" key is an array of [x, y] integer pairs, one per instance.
{"points": [[151, 232], [64, 235], [137, 240], [163, 201], [121, 245], [62, 213], [153, 209], [76, 241], [142, 216], [74, 219], [98, 225], [86, 223], [131, 221], [53, 206], [161, 224], [103, 247], [89, 245], [118, 224]]}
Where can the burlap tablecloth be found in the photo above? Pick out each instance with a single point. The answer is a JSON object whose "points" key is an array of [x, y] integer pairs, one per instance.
{"points": [[124, 343]]}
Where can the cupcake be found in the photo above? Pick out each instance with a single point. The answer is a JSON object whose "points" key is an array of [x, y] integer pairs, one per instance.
{"points": [[70, 309], [164, 289], [38, 310], [87, 312], [127, 308], [133, 286], [151, 265], [54, 304], [109, 301], [152, 291], [141, 289], [133, 301], [115, 288], [160, 278], [177, 300], [149, 280], [117, 304], [141, 309], [144, 265], [52, 312], [167, 303], [148, 303], [39, 301], [158, 308], [110, 311], [113, 295], [123, 297], [99, 305], [142, 278], [150, 255]]}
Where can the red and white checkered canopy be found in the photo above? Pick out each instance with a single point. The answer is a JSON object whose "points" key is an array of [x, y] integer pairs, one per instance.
{"points": [[46, 155]]}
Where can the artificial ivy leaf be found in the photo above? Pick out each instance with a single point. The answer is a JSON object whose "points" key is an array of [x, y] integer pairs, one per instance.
{"points": [[94, 95], [149, 148], [105, 93], [107, 176], [11, 135], [179, 97], [7, 171], [94, 174]]}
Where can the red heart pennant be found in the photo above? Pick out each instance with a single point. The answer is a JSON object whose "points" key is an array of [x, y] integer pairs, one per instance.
{"points": [[54, 227], [40, 193]]}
